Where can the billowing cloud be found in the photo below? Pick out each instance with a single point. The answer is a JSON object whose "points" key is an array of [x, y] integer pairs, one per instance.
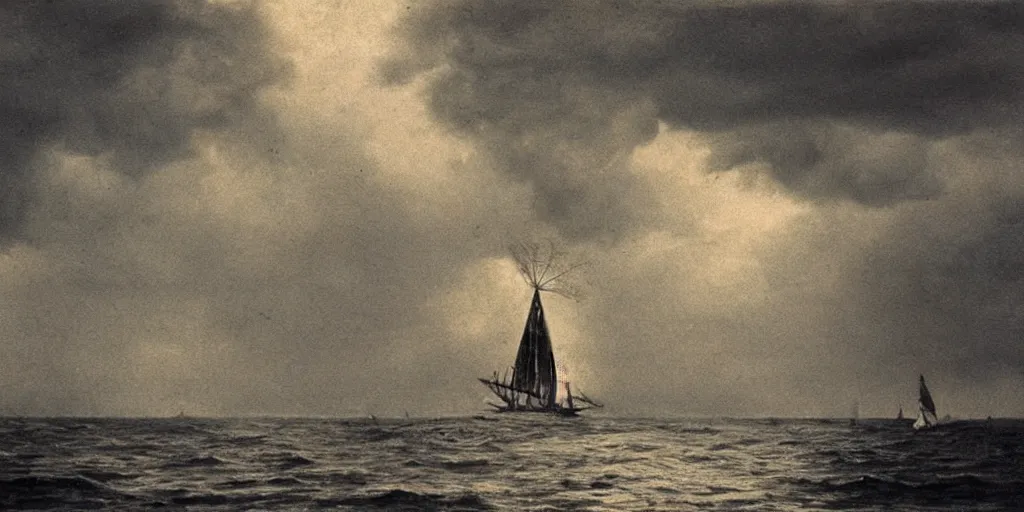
{"points": [[303, 207], [847, 107], [813, 91], [271, 250], [131, 82]]}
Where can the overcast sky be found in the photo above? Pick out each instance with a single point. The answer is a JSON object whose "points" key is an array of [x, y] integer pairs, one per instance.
{"points": [[304, 208]]}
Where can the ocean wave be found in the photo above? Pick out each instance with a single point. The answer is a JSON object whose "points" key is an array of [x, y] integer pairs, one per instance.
{"points": [[195, 462], [202, 499], [642, 447], [285, 481], [601, 482], [349, 478], [572, 485], [230, 501], [883, 482], [685, 430], [401, 500], [559, 504], [294, 461], [698, 459], [885, 489], [238, 484], [375, 435], [52, 484], [464, 465], [453, 465], [545, 464], [242, 440], [106, 476], [58, 491], [714, 490]]}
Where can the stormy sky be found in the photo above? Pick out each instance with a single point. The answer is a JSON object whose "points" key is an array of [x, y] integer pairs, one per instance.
{"points": [[305, 208]]}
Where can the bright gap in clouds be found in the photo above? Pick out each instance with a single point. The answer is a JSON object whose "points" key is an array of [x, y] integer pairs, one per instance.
{"points": [[249, 212]]}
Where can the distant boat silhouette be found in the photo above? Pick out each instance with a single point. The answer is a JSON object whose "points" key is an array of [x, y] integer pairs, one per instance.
{"points": [[899, 416], [926, 417]]}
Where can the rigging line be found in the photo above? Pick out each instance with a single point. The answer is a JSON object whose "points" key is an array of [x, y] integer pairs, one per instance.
{"points": [[536, 264], [564, 272], [550, 260], [544, 272]]}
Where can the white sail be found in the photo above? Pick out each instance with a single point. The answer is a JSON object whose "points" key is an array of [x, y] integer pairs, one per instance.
{"points": [[925, 419]]}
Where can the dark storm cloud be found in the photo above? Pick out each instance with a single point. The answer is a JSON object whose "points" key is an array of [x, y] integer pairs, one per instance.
{"points": [[820, 160], [131, 80], [192, 266], [908, 105], [531, 82], [96, 98], [952, 296]]}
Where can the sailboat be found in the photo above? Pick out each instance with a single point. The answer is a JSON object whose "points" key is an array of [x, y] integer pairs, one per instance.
{"points": [[926, 408], [899, 415], [533, 385]]}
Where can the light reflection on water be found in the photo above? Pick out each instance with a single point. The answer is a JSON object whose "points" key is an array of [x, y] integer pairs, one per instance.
{"points": [[526, 462]]}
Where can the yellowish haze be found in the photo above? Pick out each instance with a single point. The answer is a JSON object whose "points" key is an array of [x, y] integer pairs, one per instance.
{"points": [[316, 218]]}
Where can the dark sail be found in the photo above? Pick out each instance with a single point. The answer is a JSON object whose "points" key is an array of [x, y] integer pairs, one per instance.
{"points": [[926, 398], [533, 386], [534, 370]]}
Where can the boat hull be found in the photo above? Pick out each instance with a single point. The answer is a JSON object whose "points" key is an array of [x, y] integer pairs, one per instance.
{"points": [[925, 420], [512, 404], [558, 411]]}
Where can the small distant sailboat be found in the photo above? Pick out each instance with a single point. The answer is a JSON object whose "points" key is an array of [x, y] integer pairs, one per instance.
{"points": [[533, 386], [899, 415], [926, 417]]}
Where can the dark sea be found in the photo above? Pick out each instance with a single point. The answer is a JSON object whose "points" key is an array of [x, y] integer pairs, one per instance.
{"points": [[508, 462]]}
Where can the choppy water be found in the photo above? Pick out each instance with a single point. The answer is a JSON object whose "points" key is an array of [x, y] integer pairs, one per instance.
{"points": [[508, 463]]}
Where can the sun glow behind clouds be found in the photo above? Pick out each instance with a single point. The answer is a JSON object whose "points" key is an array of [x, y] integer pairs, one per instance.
{"points": [[734, 218], [299, 247]]}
